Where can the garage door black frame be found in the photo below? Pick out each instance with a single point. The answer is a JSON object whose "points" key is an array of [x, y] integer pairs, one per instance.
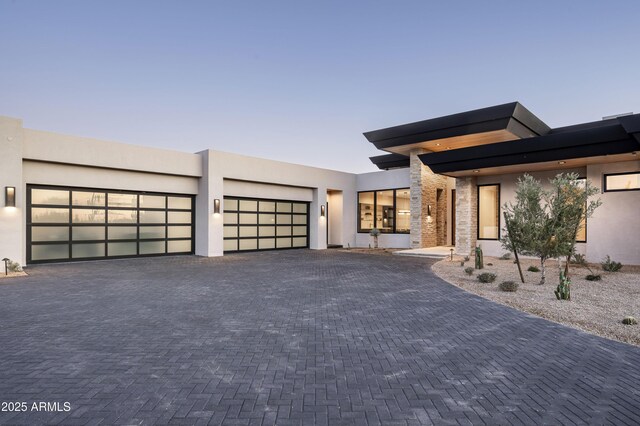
{"points": [[106, 225]]}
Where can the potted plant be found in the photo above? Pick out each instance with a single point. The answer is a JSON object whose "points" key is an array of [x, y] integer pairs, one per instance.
{"points": [[375, 232]]}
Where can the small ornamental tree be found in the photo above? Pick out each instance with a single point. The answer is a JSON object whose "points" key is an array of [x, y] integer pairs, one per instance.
{"points": [[545, 223], [375, 233]]}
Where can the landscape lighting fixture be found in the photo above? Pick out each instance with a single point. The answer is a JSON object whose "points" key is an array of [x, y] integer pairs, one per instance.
{"points": [[10, 196]]}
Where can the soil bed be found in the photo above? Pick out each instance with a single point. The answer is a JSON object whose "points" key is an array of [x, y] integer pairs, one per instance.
{"points": [[597, 307]]}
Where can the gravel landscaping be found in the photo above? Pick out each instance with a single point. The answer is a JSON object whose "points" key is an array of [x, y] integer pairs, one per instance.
{"points": [[597, 307]]}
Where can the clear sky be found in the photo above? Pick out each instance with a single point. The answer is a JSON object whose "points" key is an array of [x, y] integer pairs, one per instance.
{"points": [[300, 81]]}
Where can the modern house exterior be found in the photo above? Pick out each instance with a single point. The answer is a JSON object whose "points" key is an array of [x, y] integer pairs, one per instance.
{"points": [[442, 183]]}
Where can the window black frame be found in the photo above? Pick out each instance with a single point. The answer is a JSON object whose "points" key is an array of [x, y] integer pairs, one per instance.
{"points": [[257, 212], [70, 242], [604, 181], [361, 230], [478, 211]]}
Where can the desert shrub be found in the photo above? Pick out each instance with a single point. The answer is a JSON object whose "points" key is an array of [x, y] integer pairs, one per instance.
{"points": [[533, 269], [505, 256], [487, 277], [629, 321], [489, 264], [510, 286], [467, 258], [593, 277], [469, 270], [578, 259], [462, 263], [13, 266], [610, 265]]}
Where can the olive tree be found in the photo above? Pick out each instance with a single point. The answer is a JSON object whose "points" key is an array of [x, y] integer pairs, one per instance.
{"points": [[545, 223]]}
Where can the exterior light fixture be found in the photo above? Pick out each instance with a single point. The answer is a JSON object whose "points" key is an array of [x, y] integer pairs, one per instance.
{"points": [[562, 162], [451, 250], [322, 210], [429, 210], [216, 206], [6, 265], [476, 171], [9, 196]]}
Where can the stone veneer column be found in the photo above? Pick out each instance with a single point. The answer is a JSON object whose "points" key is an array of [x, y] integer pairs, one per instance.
{"points": [[425, 231], [466, 215]]}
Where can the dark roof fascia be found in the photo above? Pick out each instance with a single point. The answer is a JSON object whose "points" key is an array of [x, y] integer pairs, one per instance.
{"points": [[390, 161], [482, 120], [587, 143], [631, 124]]}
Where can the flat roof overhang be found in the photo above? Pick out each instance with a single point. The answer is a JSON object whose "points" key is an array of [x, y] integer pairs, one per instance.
{"points": [[609, 143], [498, 123], [390, 161]]}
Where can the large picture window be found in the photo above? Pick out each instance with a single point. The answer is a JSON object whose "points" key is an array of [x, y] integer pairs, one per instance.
{"points": [[488, 212], [386, 210], [622, 182]]}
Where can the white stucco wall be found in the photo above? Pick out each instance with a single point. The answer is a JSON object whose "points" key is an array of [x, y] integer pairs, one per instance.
{"points": [[614, 229], [274, 179], [12, 229]]}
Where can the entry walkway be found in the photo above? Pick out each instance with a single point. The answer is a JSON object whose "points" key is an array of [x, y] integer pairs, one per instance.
{"points": [[294, 337], [433, 252]]}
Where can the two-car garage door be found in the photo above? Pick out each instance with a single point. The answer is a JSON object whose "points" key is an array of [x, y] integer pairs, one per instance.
{"points": [[66, 224], [265, 224]]}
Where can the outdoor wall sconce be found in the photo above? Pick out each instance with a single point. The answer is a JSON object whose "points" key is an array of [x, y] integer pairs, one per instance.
{"points": [[322, 210], [429, 210], [10, 196], [216, 206]]}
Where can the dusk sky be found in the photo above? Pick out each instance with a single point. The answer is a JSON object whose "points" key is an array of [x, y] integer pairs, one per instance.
{"points": [[300, 81]]}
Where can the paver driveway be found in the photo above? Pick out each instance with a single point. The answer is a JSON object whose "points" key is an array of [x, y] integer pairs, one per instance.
{"points": [[294, 337]]}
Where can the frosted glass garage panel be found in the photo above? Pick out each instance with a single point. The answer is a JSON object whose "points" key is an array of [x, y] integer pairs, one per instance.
{"points": [[299, 219], [283, 242], [79, 251], [182, 203], [49, 196], [266, 243], [230, 245], [122, 232], [230, 231], [152, 247], [50, 233], [179, 232], [267, 231], [179, 246], [88, 216], [248, 244], [153, 201], [267, 206], [85, 198], [248, 205], [229, 204], [283, 231], [123, 216], [152, 216], [299, 242], [122, 200], [300, 230], [179, 217], [149, 232], [49, 215], [230, 218], [248, 231], [299, 208], [50, 252], [81, 233], [122, 249]]}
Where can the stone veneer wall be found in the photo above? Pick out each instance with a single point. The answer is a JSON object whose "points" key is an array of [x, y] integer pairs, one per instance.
{"points": [[425, 184], [466, 215]]}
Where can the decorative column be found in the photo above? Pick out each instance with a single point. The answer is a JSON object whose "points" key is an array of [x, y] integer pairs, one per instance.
{"points": [[426, 230], [466, 215]]}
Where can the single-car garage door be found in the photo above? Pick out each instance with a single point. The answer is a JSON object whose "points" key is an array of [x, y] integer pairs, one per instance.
{"points": [[66, 224], [262, 224]]}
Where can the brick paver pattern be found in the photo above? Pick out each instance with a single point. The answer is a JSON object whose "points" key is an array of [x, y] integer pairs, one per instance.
{"points": [[294, 337]]}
